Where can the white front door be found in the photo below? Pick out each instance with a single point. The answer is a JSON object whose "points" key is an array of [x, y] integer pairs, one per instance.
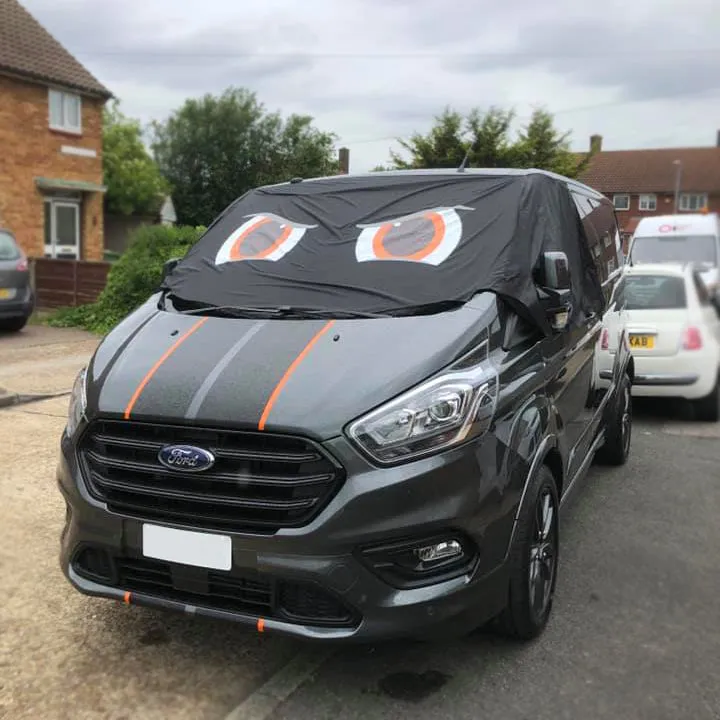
{"points": [[62, 229]]}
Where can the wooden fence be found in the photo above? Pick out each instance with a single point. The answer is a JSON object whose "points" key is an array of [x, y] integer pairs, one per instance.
{"points": [[67, 283]]}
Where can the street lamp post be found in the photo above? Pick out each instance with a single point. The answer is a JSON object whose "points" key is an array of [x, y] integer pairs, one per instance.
{"points": [[678, 176]]}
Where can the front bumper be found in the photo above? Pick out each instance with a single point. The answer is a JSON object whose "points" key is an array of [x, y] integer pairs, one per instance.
{"points": [[456, 492]]}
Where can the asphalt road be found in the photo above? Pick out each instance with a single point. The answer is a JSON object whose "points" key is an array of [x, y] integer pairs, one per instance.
{"points": [[636, 626], [635, 632]]}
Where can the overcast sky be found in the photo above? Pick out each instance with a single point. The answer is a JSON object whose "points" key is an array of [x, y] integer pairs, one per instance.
{"points": [[644, 73]]}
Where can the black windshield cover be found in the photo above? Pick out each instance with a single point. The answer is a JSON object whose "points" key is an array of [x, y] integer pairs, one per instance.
{"points": [[388, 244]]}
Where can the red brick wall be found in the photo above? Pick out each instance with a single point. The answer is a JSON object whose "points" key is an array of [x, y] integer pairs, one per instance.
{"points": [[30, 149]]}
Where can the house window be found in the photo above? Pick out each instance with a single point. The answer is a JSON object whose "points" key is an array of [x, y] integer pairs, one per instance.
{"points": [[647, 202], [692, 202], [621, 202], [65, 111]]}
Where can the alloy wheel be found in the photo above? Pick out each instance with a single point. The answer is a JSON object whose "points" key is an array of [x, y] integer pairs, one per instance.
{"points": [[543, 555], [626, 420]]}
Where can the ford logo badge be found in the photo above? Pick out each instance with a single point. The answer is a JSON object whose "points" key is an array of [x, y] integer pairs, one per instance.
{"points": [[187, 458]]}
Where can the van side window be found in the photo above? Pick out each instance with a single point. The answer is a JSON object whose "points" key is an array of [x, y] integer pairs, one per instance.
{"points": [[603, 235]]}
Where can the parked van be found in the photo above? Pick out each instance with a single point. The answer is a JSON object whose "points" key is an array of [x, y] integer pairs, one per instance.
{"points": [[354, 409], [687, 238]]}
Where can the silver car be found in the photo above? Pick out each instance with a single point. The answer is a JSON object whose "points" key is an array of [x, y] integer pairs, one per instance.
{"points": [[17, 300]]}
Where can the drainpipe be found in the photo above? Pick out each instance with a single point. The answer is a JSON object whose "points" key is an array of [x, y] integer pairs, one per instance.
{"points": [[678, 176]]}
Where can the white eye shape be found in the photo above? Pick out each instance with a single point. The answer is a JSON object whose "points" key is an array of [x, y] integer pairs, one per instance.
{"points": [[427, 236], [263, 237]]}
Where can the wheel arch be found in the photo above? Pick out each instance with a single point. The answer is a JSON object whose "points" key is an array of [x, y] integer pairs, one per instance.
{"points": [[547, 455]]}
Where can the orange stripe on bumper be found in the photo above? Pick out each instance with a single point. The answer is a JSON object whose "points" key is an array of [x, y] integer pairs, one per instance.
{"points": [[286, 376], [158, 364]]}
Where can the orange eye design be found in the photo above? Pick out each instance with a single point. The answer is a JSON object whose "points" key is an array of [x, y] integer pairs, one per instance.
{"points": [[428, 236], [263, 237]]}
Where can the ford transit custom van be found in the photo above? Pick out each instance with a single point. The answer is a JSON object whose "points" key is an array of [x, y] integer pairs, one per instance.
{"points": [[354, 409]]}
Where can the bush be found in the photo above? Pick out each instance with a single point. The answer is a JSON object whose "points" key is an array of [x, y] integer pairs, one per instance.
{"points": [[132, 279]]}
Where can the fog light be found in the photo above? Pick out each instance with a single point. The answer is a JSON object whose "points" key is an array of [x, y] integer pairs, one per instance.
{"points": [[422, 561], [439, 551]]}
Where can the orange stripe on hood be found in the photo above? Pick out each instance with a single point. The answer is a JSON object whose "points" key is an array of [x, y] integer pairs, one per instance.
{"points": [[158, 364], [286, 376]]}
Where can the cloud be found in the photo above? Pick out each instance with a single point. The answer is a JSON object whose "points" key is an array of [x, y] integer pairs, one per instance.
{"points": [[668, 58], [369, 70]]}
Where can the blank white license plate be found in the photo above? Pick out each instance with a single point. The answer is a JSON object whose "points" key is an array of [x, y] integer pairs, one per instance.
{"points": [[187, 547]]}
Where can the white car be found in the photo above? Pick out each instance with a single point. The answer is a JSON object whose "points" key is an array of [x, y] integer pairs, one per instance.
{"points": [[673, 330]]}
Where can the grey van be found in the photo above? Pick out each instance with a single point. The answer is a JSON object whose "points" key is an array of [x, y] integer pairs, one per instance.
{"points": [[354, 409]]}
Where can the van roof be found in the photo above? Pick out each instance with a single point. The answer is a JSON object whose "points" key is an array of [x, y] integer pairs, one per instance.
{"points": [[687, 223], [452, 172]]}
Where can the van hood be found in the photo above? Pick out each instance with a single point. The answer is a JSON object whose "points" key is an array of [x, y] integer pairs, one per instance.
{"points": [[310, 376]]}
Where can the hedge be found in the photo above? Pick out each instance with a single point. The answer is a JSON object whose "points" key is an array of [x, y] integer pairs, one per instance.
{"points": [[132, 279]]}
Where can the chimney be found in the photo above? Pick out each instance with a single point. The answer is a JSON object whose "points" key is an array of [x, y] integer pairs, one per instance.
{"points": [[596, 143], [344, 160]]}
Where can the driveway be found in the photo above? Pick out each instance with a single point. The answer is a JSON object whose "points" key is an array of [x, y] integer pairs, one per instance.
{"points": [[43, 360], [634, 635]]}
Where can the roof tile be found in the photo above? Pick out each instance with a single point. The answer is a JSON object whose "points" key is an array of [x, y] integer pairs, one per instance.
{"points": [[638, 171], [28, 49]]}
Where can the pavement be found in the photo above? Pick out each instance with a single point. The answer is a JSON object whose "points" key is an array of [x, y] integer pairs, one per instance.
{"points": [[634, 634]]}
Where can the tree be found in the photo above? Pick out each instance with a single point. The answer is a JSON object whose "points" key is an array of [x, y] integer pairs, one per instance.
{"points": [[541, 145], [442, 147], [486, 139], [214, 149], [133, 179]]}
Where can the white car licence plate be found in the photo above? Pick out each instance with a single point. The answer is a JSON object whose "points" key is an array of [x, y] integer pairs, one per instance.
{"points": [[187, 547]]}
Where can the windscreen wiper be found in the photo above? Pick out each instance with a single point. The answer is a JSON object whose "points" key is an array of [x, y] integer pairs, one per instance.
{"points": [[284, 311], [301, 312], [231, 311]]}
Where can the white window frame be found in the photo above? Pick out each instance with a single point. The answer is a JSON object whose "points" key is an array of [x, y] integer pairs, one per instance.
{"points": [[621, 195], [647, 202], [685, 204], [65, 98]]}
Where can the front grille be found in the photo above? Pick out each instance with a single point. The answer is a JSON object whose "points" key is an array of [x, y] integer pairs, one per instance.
{"points": [[257, 595], [259, 482]]}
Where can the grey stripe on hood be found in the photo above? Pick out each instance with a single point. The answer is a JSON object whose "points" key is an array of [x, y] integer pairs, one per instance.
{"points": [[225, 360]]}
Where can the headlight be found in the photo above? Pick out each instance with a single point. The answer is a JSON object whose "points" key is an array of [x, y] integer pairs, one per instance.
{"points": [[433, 416], [78, 402]]}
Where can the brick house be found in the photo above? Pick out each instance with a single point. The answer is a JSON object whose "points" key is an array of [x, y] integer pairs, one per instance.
{"points": [[646, 182], [51, 176]]}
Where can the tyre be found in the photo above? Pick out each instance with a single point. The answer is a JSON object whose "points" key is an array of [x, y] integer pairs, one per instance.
{"points": [[533, 561], [618, 431], [707, 409], [13, 325]]}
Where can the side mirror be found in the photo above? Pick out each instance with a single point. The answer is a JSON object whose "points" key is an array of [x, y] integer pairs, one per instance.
{"points": [[553, 279], [555, 271], [169, 266]]}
